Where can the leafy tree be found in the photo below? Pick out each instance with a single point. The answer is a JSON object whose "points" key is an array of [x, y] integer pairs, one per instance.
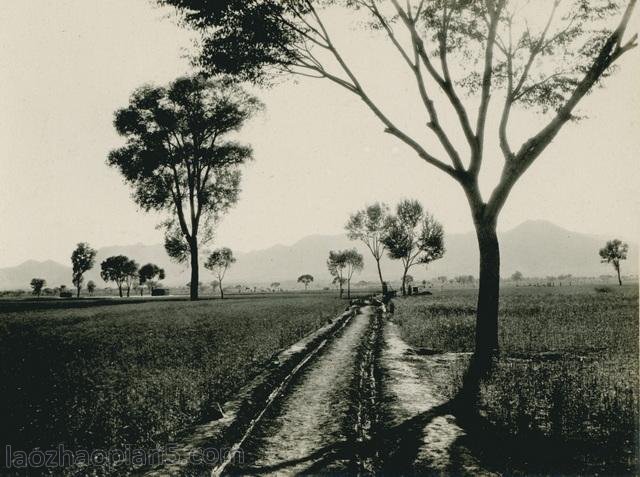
{"points": [[354, 263], [487, 49], [614, 251], [517, 276], [369, 226], [91, 287], [219, 262], [37, 284], [82, 260], [336, 264], [413, 237], [305, 279], [275, 286], [342, 265], [120, 270], [147, 275], [178, 157]]}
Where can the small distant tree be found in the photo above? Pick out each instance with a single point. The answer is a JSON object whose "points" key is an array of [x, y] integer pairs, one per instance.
{"points": [[413, 236], [614, 251], [37, 284], [147, 275], [369, 226], [305, 279], [275, 286], [120, 270], [443, 280], [219, 262], [517, 277], [82, 260], [354, 263], [91, 287], [336, 264]]}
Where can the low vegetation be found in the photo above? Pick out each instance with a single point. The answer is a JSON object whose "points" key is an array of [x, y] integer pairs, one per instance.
{"points": [[567, 378], [136, 374]]}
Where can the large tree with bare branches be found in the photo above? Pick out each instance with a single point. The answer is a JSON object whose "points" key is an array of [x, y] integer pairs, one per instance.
{"points": [[453, 50]]}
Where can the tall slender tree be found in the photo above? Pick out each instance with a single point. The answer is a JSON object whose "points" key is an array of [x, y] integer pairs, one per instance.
{"points": [[369, 226], [354, 263], [489, 49], [219, 262], [82, 260], [178, 157], [336, 265]]}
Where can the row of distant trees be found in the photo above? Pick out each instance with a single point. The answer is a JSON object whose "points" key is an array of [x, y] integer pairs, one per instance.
{"points": [[411, 235], [121, 270]]}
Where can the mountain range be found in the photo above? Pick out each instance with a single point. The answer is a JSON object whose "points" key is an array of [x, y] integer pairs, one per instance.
{"points": [[535, 248]]}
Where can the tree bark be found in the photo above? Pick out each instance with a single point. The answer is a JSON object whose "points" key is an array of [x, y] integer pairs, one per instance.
{"points": [[618, 270], [120, 290], [404, 281], [349, 289], [195, 275], [78, 287], [380, 274], [488, 293], [221, 292]]}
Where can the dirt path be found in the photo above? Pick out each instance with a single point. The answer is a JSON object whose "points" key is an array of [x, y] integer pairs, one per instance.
{"points": [[313, 428], [420, 434]]}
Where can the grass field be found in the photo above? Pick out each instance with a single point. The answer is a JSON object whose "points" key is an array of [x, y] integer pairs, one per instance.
{"points": [[98, 375], [567, 378]]}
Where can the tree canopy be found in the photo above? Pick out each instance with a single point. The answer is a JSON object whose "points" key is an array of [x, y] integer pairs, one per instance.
{"points": [[37, 284], [369, 225], [148, 273], [305, 279], [119, 269], [614, 251]]}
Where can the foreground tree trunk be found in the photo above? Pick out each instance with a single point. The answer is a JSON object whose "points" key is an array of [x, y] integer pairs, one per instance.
{"points": [[488, 293], [380, 274], [78, 288], [404, 282], [349, 289], [221, 292], [195, 275], [618, 270]]}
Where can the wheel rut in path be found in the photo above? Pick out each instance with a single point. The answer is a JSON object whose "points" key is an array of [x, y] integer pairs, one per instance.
{"points": [[317, 424]]}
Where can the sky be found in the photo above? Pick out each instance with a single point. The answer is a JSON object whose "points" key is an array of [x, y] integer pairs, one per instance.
{"points": [[66, 66]]}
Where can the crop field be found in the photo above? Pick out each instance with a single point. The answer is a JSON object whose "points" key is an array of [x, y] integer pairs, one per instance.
{"points": [[107, 375], [565, 386]]}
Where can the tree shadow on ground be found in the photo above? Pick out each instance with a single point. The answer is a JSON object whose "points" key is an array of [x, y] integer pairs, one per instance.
{"points": [[483, 447]]}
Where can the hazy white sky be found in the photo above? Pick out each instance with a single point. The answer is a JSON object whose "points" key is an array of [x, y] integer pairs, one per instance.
{"points": [[67, 65]]}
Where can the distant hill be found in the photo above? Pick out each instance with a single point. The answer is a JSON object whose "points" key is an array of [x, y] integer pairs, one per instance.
{"points": [[536, 248]]}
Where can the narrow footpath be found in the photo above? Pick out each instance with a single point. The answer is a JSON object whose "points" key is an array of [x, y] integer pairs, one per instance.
{"points": [[318, 424]]}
